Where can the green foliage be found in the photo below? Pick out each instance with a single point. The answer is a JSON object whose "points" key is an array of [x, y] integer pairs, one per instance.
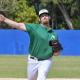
{"points": [[72, 8], [57, 1], [7, 5], [76, 23], [18, 10], [6, 8], [24, 13]]}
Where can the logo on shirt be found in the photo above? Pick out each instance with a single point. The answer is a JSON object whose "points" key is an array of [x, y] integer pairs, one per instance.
{"points": [[53, 37]]}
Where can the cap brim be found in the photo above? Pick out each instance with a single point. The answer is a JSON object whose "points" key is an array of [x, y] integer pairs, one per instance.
{"points": [[43, 13]]}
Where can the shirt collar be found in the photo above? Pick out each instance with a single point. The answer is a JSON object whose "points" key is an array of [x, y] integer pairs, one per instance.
{"points": [[49, 29]]}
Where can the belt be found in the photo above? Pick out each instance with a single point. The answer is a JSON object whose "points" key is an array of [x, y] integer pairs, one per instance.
{"points": [[32, 57]]}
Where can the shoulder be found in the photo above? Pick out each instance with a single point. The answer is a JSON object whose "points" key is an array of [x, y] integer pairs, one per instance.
{"points": [[31, 26]]}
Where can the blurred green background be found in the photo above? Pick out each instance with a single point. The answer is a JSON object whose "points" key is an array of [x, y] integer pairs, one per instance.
{"points": [[63, 66], [65, 14]]}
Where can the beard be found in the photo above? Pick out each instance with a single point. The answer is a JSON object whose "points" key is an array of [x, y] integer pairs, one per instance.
{"points": [[45, 22]]}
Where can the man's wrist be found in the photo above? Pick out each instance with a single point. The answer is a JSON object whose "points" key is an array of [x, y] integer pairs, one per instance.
{"points": [[2, 18]]}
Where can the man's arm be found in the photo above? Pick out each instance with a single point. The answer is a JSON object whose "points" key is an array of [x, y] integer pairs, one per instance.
{"points": [[12, 23]]}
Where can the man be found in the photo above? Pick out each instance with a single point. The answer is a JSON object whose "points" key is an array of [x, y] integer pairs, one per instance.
{"points": [[42, 45]]}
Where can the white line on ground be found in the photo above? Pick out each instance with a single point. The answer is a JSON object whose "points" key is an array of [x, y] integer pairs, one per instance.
{"points": [[47, 79]]}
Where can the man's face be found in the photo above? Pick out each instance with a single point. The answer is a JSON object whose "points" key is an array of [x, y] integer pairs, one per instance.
{"points": [[44, 18]]}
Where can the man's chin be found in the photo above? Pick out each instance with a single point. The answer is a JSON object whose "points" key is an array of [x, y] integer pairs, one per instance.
{"points": [[45, 22]]}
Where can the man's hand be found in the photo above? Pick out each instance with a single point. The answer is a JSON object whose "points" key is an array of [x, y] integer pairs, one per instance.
{"points": [[56, 46], [2, 18]]}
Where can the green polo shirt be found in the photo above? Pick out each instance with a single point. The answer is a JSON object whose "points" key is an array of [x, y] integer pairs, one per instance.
{"points": [[39, 40]]}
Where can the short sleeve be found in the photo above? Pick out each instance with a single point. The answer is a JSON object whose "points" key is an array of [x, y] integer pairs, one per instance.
{"points": [[29, 27]]}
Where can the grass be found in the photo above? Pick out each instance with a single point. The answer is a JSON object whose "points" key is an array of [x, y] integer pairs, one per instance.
{"points": [[62, 67], [13, 66], [65, 67]]}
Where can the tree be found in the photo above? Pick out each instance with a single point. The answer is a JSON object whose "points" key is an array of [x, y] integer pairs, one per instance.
{"points": [[6, 8], [52, 5], [24, 12], [71, 12], [64, 13], [18, 10]]}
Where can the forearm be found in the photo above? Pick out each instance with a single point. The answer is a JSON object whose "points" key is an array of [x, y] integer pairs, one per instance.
{"points": [[14, 24], [11, 23]]}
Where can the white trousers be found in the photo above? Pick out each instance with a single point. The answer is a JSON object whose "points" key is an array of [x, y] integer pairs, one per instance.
{"points": [[38, 70]]}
